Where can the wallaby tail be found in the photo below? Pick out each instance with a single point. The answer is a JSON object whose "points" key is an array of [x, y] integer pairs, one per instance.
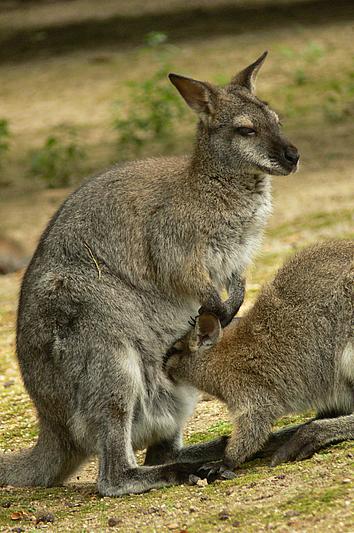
{"points": [[48, 463]]}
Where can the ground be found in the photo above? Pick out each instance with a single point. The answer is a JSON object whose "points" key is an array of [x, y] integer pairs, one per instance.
{"points": [[309, 78]]}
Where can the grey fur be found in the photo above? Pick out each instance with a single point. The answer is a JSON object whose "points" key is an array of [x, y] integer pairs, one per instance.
{"points": [[294, 350], [121, 267]]}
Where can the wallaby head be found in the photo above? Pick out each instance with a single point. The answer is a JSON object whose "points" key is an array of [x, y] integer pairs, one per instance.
{"points": [[205, 334], [237, 131]]}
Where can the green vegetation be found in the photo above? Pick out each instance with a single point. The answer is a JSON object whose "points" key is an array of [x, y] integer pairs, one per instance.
{"points": [[4, 139], [58, 161], [215, 430], [153, 107], [309, 79]]}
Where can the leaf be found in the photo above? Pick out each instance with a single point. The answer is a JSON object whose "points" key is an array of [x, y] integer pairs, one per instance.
{"points": [[18, 515]]}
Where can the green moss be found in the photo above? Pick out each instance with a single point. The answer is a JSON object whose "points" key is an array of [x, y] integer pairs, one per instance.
{"points": [[313, 222], [215, 430]]}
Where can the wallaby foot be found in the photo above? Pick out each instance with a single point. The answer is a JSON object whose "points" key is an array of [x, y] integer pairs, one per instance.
{"points": [[119, 473], [144, 478], [213, 450], [165, 451], [169, 451], [215, 470], [276, 440], [313, 436]]}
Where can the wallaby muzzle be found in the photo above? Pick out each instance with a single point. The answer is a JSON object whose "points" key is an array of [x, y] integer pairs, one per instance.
{"points": [[288, 156]]}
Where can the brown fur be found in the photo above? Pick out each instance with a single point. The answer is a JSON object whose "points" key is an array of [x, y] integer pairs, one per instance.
{"points": [[292, 351], [119, 270]]}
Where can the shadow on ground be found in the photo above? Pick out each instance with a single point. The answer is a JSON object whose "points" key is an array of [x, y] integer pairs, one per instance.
{"points": [[180, 24]]}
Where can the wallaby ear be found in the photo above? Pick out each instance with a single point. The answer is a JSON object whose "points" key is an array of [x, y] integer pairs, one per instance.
{"points": [[199, 95], [247, 77], [207, 332]]}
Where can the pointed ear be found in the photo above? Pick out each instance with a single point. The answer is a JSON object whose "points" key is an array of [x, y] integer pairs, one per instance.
{"points": [[247, 77], [199, 95], [207, 332]]}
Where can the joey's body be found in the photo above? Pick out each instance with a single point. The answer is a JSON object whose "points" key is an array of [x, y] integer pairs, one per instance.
{"points": [[292, 351], [123, 265]]}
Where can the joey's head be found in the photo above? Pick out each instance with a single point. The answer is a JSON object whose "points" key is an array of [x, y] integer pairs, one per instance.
{"points": [[238, 133], [205, 334]]}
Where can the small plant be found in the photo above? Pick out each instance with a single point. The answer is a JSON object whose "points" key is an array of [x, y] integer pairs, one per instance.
{"points": [[300, 77], [4, 138], [313, 52], [338, 105], [154, 105], [59, 158]]}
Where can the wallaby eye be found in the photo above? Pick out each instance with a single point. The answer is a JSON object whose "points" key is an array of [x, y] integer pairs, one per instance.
{"points": [[245, 132]]}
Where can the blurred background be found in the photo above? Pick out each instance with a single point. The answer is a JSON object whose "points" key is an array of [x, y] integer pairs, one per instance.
{"points": [[84, 85]]}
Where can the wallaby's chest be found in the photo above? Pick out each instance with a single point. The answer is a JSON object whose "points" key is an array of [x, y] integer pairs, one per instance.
{"points": [[233, 244]]}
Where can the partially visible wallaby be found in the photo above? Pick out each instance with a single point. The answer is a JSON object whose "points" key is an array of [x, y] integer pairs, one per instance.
{"points": [[294, 350], [121, 267]]}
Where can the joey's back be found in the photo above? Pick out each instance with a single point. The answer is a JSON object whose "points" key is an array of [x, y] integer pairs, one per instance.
{"points": [[294, 337]]}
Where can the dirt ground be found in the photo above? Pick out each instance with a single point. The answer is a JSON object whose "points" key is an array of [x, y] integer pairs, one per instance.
{"points": [[52, 74]]}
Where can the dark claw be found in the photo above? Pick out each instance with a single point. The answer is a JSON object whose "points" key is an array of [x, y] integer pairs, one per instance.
{"points": [[228, 474], [193, 479], [214, 471], [192, 322]]}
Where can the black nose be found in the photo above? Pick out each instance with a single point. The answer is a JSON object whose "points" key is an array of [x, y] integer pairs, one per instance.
{"points": [[291, 154]]}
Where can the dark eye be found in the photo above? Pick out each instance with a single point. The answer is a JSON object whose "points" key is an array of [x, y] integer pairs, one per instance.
{"points": [[245, 132]]}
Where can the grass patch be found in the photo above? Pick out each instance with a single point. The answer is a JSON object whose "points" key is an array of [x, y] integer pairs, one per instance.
{"points": [[215, 430], [313, 222]]}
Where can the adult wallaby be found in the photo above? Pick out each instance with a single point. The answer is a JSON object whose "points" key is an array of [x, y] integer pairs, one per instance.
{"points": [[294, 350], [121, 267]]}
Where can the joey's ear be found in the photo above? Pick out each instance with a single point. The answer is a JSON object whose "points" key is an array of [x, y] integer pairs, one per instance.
{"points": [[199, 95], [247, 77], [207, 332]]}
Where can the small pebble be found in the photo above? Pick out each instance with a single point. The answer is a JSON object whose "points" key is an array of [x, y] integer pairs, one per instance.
{"points": [[45, 518], [172, 526], [292, 512], [224, 515], [6, 504], [112, 522]]}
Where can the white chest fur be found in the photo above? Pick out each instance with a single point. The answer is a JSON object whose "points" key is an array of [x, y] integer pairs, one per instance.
{"points": [[232, 248]]}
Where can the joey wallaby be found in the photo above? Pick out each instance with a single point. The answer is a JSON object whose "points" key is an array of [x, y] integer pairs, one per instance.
{"points": [[121, 267], [294, 350]]}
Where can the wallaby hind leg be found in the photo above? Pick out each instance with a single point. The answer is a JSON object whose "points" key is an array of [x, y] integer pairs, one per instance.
{"points": [[171, 450], [48, 463], [118, 471], [280, 437], [276, 440], [313, 436]]}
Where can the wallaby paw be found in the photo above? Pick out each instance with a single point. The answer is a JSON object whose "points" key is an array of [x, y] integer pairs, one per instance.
{"points": [[216, 470], [301, 446], [192, 321]]}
